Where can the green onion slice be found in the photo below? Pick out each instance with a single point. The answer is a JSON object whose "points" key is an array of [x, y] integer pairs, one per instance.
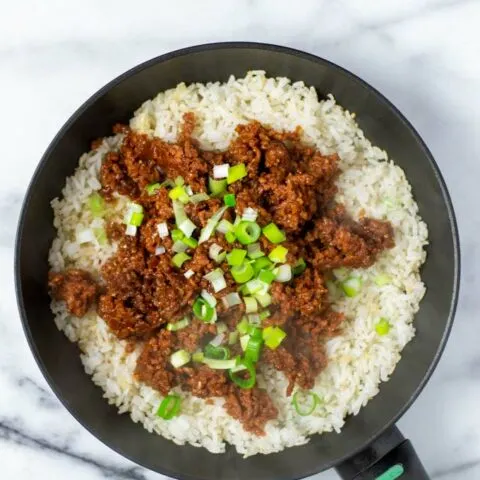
{"points": [[207, 231], [299, 267], [178, 193], [216, 279], [230, 237], [254, 251], [177, 235], [242, 273], [217, 186], [247, 232], [251, 305], [236, 256], [198, 357], [253, 349], [242, 326], [216, 253], [202, 310], [100, 235], [170, 407], [351, 286], [220, 364], [173, 327], [284, 273], [266, 276], [239, 379], [264, 299], [224, 226], [232, 338], [263, 263], [96, 203], [209, 298], [183, 222], [274, 234], [190, 242], [179, 181], [180, 258], [383, 326], [229, 200], [273, 337], [382, 280], [152, 188], [305, 402], [236, 172], [199, 197], [218, 353], [278, 254], [179, 358]]}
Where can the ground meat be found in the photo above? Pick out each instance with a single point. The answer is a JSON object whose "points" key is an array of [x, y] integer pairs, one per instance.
{"points": [[153, 365], [254, 408], [76, 287], [288, 183]]}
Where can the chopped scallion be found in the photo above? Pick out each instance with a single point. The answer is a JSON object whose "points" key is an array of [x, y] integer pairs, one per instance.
{"points": [[179, 358], [229, 200], [173, 327], [273, 337], [237, 172], [170, 407], [383, 326], [221, 171], [382, 280], [254, 251], [284, 273], [351, 286], [230, 237], [217, 279], [242, 273], [305, 402], [207, 231], [274, 234], [96, 204], [299, 267], [216, 253], [231, 299], [152, 188], [251, 305], [178, 193], [202, 310], [247, 232], [240, 380], [236, 256], [217, 186], [162, 229], [180, 258], [278, 254]]}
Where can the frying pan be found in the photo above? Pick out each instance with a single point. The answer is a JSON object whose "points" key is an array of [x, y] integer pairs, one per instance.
{"points": [[369, 446]]}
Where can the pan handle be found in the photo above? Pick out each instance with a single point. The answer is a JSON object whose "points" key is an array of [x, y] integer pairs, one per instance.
{"points": [[389, 457]]}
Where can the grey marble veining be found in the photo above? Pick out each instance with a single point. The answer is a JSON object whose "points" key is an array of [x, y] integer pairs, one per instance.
{"points": [[422, 54]]}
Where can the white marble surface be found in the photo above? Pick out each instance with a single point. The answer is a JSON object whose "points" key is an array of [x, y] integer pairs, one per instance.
{"points": [[422, 54]]}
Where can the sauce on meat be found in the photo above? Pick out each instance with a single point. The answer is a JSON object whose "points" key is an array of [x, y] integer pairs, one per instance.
{"points": [[288, 183]]}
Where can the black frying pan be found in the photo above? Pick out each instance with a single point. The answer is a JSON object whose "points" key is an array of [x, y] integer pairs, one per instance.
{"points": [[369, 445]]}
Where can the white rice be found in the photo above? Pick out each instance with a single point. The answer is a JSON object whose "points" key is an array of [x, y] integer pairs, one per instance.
{"points": [[358, 360]]}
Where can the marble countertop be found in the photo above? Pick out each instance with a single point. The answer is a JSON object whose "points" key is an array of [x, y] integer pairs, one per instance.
{"points": [[422, 54]]}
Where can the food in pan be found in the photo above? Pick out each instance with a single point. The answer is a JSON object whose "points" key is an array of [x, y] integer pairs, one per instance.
{"points": [[238, 265]]}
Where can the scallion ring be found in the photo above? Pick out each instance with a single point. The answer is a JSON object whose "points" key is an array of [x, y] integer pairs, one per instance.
{"points": [[238, 378], [305, 402], [247, 232], [170, 407]]}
